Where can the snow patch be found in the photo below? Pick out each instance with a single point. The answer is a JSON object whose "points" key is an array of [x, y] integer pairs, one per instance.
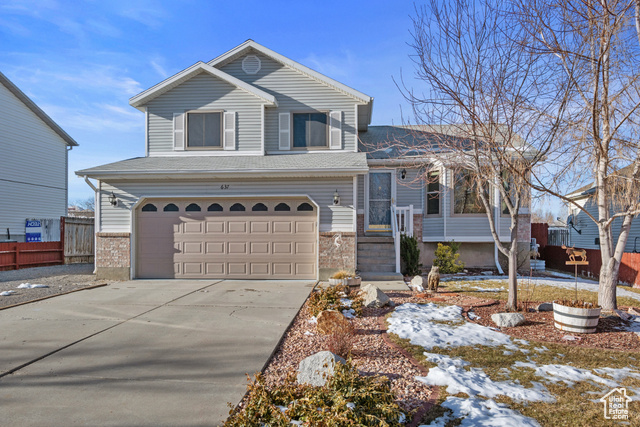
{"points": [[479, 412], [473, 316], [565, 373], [6, 293], [30, 286], [349, 314]]}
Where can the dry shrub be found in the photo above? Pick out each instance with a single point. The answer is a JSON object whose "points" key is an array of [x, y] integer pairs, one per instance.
{"points": [[342, 340]]}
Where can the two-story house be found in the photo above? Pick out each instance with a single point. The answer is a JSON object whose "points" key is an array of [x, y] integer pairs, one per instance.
{"points": [[34, 158], [259, 167]]}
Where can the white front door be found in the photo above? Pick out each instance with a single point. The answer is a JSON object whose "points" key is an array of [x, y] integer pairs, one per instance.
{"points": [[380, 198]]}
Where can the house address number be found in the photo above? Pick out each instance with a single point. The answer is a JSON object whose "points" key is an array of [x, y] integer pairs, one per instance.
{"points": [[224, 187]]}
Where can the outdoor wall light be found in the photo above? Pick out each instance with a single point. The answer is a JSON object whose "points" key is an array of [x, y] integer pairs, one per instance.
{"points": [[403, 173], [336, 198], [112, 199]]}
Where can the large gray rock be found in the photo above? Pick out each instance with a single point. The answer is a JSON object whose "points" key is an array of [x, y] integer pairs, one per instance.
{"points": [[545, 306], [373, 297], [507, 320], [317, 368], [418, 283]]}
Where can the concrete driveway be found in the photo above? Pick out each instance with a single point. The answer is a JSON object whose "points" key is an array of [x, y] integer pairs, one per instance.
{"points": [[140, 353]]}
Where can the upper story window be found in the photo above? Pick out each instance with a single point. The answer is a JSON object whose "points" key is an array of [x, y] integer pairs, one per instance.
{"points": [[310, 130], [204, 130], [466, 194], [433, 193]]}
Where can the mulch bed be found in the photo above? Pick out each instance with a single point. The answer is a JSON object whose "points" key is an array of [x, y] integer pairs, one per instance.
{"points": [[539, 325]]}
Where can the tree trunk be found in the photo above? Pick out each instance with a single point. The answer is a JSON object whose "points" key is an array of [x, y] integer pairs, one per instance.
{"points": [[512, 299]]}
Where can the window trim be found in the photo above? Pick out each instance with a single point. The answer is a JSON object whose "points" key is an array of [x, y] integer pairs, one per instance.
{"points": [[440, 194], [292, 147], [186, 130], [453, 200]]}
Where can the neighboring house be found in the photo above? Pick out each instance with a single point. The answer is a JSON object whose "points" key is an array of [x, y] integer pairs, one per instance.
{"points": [[33, 163], [254, 169], [583, 232]]}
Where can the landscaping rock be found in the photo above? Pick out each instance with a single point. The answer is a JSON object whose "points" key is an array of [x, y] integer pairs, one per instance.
{"points": [[373, 297], [635, 311], [624, 316], [317, 368], [418, 283], [545, 306], [331, 320], [507, 320]]}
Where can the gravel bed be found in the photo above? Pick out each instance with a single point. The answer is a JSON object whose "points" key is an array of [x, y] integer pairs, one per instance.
{"points": [[371, 355], [59, 279]]}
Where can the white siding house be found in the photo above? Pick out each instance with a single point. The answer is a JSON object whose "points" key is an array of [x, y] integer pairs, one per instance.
{"points": [[33, 163], [255, 168]]}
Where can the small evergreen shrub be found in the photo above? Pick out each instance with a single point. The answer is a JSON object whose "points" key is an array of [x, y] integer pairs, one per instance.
{"points": [[410, 256], [447, 258], [348, 399]]}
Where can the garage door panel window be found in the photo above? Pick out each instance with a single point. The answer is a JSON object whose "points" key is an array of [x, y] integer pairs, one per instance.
{"points": [[282, 207], [259, 207], [171, 208], [214, 207], [237, 207], [305, 207], [193, 207], [149, 207]]}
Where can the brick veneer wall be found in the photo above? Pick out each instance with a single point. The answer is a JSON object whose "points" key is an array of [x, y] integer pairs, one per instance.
{"points": [[333, 258], [113, 256], [417, 227], [360, 224], [524, 228]]}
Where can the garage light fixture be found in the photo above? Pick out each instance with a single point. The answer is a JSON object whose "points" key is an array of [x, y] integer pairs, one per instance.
{"points": [[112, 199], [403, 173], [336, 198]]}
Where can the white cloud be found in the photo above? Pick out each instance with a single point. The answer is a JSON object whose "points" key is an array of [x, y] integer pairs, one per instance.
{"points": [[155, 64], [344, 64], [95, 118]]}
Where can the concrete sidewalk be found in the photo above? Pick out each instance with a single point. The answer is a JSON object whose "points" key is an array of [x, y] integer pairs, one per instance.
{"points": [[146, 352]]}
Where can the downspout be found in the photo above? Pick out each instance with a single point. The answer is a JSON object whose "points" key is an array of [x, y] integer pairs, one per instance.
{"points": [[496, 214], [96, 218], [66, 179]]}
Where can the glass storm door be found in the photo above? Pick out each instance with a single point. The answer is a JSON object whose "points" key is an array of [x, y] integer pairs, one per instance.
{"points": [[380, 199]]}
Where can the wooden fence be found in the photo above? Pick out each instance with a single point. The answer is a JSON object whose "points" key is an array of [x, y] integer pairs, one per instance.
{"points": [[555, 257], [76, 246]]}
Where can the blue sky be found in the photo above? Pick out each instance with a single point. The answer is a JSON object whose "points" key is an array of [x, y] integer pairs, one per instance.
{"points": [[82, 60]]}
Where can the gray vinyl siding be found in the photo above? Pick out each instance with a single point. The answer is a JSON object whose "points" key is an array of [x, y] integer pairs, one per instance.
{"points": [[589, 230], [332, 218], [205, 92], [409, 191], [33, 179], [295, 92], [460, 228]]}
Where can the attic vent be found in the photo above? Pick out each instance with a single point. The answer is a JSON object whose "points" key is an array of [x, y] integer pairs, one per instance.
{"points": [[251, 64]]}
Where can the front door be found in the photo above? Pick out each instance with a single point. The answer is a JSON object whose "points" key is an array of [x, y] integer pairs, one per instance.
{"points": [[380, 200]]}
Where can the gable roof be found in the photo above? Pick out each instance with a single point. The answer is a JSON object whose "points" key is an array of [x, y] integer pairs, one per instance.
{"points": [[249, 45], [37, 110], [199, 67]]}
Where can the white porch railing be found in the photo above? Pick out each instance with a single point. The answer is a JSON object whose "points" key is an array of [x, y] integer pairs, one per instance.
{"points": [[401, 223]]}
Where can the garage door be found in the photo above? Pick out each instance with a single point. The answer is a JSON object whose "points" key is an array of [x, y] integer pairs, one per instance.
{"points": [[236, 239]]}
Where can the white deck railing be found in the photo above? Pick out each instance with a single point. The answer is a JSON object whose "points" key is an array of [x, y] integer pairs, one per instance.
{"points": [[401, 223]]}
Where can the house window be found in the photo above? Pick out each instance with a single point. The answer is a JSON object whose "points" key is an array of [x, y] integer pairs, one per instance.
{"points": [[149, 207], [214, 208], [259, 207], [204, 130], [310, 130], [171, 208], [282, 207], [465, 194], [237, 207], [193, 207], [433, 193]]}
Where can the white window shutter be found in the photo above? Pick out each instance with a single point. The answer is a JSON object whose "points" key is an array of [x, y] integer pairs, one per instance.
{"points": [[229, 123], [178, 131], [335, 132], [284, 131]]}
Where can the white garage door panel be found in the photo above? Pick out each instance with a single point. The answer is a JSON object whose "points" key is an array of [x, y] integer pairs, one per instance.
{"points": [[229, 244]]}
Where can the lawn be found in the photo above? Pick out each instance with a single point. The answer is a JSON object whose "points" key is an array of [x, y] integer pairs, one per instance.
{"points": [[506, 378]]}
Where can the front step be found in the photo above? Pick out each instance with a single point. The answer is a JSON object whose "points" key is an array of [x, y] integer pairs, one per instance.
{"points": [[376, 255], [380, 277]]}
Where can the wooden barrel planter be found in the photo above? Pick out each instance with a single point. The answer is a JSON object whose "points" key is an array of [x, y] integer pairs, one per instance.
{"points": [[575, 319]]}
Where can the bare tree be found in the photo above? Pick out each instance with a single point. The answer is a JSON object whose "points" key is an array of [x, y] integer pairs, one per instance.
{"points": [[87, 204], [596, 44], [482, 110]]}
